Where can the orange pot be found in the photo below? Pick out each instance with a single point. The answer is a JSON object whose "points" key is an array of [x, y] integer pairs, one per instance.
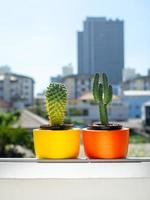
{"points": [[106, 144]]}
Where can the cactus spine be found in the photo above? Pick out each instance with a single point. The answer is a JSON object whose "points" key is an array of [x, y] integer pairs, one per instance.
{"points": [[56, 99], [102, 93]]}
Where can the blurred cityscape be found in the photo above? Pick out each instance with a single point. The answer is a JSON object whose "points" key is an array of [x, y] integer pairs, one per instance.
{"points": [[100, 48]]}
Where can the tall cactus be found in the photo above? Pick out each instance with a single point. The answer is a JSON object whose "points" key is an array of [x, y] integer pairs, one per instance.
{"points": [[102, 93], [56, 99]]}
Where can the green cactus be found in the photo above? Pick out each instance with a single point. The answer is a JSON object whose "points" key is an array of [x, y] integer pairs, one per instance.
{"points": [[56, 99], [102, 93]]}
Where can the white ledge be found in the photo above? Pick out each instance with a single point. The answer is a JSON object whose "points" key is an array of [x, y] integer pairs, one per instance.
{"points": [[74, 169]]}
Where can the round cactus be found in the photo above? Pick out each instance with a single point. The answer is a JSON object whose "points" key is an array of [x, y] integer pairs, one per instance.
{"points": [[56, 99]]}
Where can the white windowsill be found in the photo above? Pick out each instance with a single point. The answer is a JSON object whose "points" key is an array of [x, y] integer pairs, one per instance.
{"points": [[32, 169]]}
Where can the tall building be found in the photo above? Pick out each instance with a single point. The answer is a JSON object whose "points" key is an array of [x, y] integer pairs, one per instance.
{"points": [[101, 48]]}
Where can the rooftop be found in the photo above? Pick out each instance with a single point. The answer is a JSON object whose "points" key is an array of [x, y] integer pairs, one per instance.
{"points": [[136, 92], [147, 103], [89, 96], [138, 78], [13, 76], [30, 120]]}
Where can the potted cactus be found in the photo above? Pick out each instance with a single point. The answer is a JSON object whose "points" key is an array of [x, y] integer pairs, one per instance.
{"points": [[104, 140], [56, 140]]}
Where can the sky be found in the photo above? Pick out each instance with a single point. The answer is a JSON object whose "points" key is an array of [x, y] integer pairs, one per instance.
{"points": [[38, 37]]}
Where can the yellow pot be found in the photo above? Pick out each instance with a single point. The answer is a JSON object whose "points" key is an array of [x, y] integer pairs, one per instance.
{"points": [[56, 144]]}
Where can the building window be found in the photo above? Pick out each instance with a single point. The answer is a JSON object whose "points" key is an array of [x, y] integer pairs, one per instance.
{"points": [[26, 80], [85, 112], [82, 82], [147, 111], [137, 107], [130, 107], [26, 87]]}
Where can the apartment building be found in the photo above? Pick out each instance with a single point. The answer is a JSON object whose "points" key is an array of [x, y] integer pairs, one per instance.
{"points": [[16, 89]]}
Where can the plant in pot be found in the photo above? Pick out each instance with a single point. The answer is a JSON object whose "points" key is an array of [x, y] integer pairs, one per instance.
{"points": [[56, 140], [104, 140]]}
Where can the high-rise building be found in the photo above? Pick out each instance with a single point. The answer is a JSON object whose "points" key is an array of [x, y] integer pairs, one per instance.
{"points": [[101, 48]]}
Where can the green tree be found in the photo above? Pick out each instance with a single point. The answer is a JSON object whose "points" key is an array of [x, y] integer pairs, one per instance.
{"points": [[10, 137]]}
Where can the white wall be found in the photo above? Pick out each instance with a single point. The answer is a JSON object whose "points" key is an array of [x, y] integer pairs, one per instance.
{"points": [[77, 189], [29, 179]]}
